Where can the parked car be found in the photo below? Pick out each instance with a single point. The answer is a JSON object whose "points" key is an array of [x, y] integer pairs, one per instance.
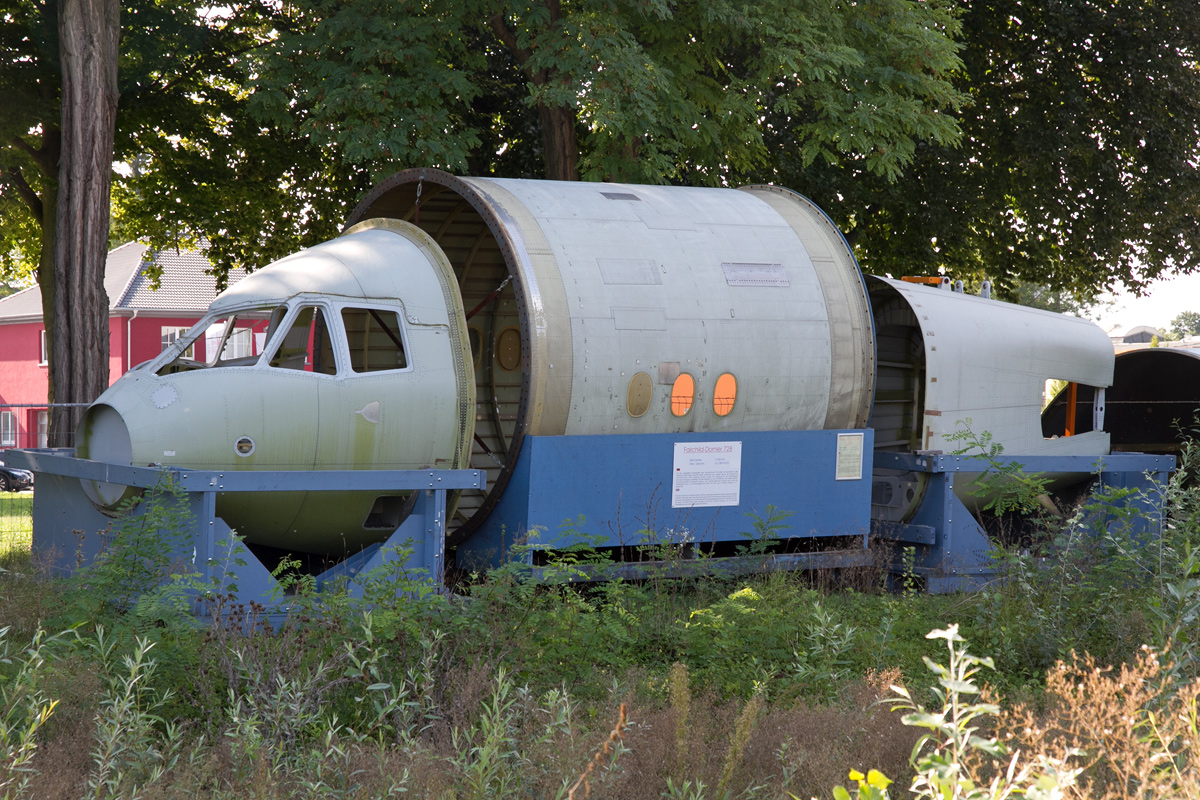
{"points": [[13, 479]]}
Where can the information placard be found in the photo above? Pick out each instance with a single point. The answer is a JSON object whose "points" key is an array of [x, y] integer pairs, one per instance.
{"points": [[706, 474], [849, 457]]}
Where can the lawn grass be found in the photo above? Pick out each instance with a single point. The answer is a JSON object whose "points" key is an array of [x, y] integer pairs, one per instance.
{"points": [[16, 523]]}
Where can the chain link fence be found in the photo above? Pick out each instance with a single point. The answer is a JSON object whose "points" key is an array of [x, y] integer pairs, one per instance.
{"points": [[25, 427]]}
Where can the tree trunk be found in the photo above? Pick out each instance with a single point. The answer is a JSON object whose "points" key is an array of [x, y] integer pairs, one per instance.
{"points": [[48, 218], [560, 149], [89, 32]]}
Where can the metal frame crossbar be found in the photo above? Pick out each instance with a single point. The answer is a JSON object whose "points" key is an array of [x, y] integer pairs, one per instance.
{"points": [[68, 529]]}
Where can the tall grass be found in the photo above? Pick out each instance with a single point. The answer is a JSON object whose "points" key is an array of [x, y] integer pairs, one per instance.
{"points": [[763, 687]]}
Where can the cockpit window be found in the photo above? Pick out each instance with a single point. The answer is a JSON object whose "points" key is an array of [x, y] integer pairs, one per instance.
{"points": [[233, 341], [237, 341], [307, 345], [375, 338]]}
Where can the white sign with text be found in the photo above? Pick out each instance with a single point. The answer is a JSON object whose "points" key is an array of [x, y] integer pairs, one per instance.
{"points": [[706, 474]]}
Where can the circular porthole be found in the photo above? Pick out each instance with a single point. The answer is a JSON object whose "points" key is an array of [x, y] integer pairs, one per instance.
{"points": [[683, 394], [641, 391], [244, 446], [724, 395], [508, 349]]}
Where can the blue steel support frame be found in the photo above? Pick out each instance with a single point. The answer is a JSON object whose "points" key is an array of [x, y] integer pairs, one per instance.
{"points": [[561, 478], [953, 551], [621, 485], [68, 530]]}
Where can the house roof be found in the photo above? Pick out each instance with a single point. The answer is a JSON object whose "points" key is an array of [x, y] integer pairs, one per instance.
{"points": [[185, 285]]}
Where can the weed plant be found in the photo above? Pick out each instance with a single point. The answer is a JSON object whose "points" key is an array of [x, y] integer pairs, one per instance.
{"points": [[767, 686]]}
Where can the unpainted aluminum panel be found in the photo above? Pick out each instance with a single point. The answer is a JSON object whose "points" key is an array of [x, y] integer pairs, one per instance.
{"points": [[848, 310], [545, 311], [988, 361], [689, 310], [611, 280]]}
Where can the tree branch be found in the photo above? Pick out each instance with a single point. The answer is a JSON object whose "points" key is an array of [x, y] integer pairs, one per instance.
{"points": [[28, 196], [40, 157], [509, 39]]}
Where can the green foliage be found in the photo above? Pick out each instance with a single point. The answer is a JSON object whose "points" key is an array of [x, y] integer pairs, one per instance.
{"points": [[1187, 323], [134, 746], [287, 136], [685, 790], [736, 641], [571, 554], [139, 569], [766, 530], [180, 81], [1071, 104], [1003, 485], [513, 681], [872, 786], [953, 727], [941, 756], [20, 245], [1058, 300], [981, 138], [24, 709], [490, 764], [29, 140], [821, 662], [395, 710], [338, 69]]}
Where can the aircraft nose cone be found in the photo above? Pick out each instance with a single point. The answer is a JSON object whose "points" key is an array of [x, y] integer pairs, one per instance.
{"points": [[104, 436]]}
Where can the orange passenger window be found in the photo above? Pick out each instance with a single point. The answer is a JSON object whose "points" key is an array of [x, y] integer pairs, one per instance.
{"points": [[725, 395], [683, 393]]}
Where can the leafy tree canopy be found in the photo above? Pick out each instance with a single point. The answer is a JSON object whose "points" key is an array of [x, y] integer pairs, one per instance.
{"points": [[1059, 301], [1056, 146], [180, 78], [1186, 324], [346, 93], [1080, 160]]}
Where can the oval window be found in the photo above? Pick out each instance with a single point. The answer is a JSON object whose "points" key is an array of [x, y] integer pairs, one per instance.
{"points": [[683, 394], [475, 336], [641, 391], [725, 394], [508, 349]]}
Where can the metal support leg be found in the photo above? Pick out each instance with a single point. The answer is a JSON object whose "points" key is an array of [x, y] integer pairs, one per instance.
{"points": [[414, 556]]}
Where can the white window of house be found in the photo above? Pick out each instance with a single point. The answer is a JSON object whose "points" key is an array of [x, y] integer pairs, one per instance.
{"points": [[42, 359], [170, 334], [241, 339], [43, 428], [8, 429]]}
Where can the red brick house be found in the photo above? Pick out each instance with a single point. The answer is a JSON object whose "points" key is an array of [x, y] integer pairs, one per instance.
{"points": [[141, 321]]}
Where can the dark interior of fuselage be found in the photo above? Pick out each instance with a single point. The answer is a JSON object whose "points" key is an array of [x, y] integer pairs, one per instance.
{"points": [[498, 343]]}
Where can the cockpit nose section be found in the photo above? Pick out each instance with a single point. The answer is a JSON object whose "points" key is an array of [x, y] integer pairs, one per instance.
{"points": [[104, 436], [324, 360]]}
